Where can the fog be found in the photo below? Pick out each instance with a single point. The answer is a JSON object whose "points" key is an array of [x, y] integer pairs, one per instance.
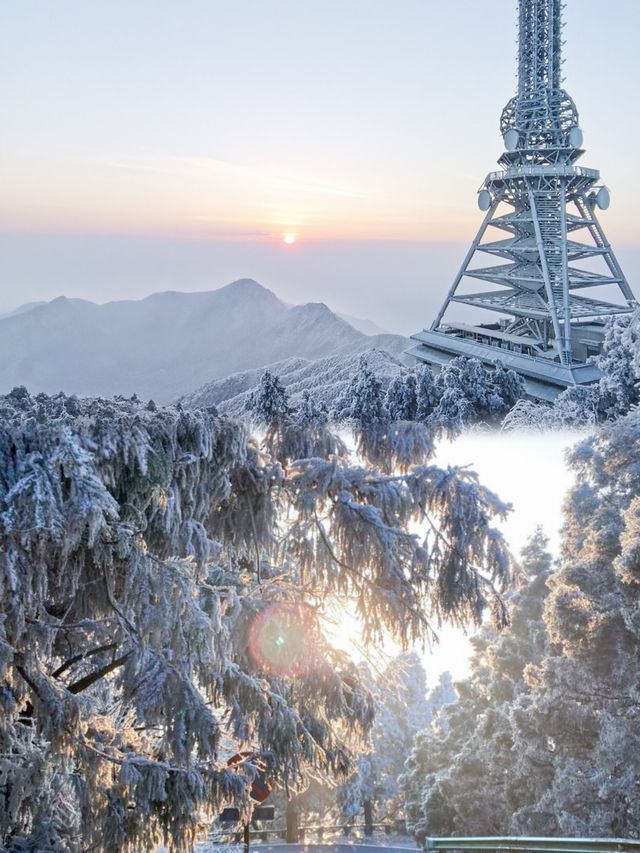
{"points": [[398, 285]]}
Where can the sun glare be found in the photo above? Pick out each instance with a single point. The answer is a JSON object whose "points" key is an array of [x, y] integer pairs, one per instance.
{"points": [[290, 238]]}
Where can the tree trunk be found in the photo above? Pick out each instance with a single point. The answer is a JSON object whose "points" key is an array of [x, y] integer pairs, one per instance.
{"points": [[368, 818], [293, 835]]}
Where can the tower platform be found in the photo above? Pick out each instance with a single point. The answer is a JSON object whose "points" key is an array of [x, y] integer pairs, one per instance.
{"points": [[543, 377]]}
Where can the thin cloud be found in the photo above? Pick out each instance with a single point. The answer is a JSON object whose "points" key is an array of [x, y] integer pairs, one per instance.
{"points": [[203, 166]]}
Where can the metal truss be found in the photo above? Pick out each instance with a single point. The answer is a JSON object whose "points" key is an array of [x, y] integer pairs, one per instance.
{"points": [[546, 204]]}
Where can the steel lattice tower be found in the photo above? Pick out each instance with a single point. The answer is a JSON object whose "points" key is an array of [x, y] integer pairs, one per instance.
{"points": [[547, 326]]}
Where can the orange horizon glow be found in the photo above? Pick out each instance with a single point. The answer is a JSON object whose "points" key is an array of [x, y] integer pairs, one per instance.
{"points": [[127, 223], [188, 198], [461, 231]]}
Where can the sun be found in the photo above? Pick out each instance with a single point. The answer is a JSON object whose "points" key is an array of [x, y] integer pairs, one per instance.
{"points": [[343, 628], [290, 238]]}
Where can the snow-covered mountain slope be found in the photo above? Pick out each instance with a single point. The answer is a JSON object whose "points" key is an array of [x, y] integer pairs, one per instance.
{"points": [[168, 344], [326, 378], [367, 327], [28, 306]]}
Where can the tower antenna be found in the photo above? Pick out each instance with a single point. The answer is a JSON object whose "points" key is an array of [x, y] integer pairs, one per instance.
{"points": [[533, 311]]}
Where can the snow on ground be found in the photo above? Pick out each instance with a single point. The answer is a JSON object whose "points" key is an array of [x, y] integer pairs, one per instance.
{"points": [[338, 844]]}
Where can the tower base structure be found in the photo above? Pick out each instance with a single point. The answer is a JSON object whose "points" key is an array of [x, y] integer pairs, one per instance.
{"points": [[546, 327], [544, 378]]}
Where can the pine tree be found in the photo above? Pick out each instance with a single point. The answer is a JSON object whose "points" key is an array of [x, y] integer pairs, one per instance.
{"points": [[362, 407], [612, 397], [618, 388], [402, 711], [442, 695], [400, 401], [162, 581], [291, 433], [576, 408], [469, 393], [269, 403], [460, 778], [362, 403], [427, 396], [577, 732], [508, 388]]}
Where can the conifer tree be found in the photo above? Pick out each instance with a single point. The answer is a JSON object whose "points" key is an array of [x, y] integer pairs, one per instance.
{"points": [[402, 710], [162, 582], [291, 433], [269, 403], [468, 393], [460, 778], [612, 397], [426, 393], [400, 401], [619, 361], [577, 731], [379, 441], [362, 404]]}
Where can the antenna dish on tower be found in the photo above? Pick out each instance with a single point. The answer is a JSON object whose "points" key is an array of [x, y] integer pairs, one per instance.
{"points": [[511, 139], [484, 200], [603, 198], [576, 137]]}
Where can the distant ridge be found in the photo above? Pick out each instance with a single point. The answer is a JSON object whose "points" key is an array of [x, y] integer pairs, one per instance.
{"points": [[168, 344], [325, 378]]}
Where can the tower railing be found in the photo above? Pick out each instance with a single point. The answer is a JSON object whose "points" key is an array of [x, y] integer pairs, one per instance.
{"points": [[534, 844]]}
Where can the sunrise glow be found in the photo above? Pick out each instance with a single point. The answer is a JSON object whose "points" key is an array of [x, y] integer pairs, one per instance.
{"points": [[290, 239]]}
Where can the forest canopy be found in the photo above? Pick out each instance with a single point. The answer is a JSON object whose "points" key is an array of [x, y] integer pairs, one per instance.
{"points": [[545, 736]]}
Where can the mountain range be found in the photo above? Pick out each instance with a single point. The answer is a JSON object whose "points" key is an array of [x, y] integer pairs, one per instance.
{"points": [[169, 344]]}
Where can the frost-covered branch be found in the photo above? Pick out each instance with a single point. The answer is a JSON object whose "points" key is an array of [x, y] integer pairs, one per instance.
{"points": [[174, 572]]}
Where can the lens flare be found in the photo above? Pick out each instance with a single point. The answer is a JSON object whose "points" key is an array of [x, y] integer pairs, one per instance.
{"points": [[282, 639]]}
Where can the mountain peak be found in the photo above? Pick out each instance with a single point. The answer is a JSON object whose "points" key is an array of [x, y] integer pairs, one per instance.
{"points": [[166, 345], [247, 286]]}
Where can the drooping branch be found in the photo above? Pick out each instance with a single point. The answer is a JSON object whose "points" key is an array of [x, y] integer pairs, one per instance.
{"points": [[88, 680], [80, 657]]}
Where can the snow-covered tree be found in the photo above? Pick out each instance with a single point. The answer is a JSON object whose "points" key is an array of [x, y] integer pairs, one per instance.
{"points": [[363, 401], [577, 730], [162, 582], [402, 711], [269, 403], [460, 778], [545, 738], [618, 389], [508, 387], [574, 409], [611, 397], [469, 393], [380, 441], [443, 694], [362, 407], [401, 400], [426, 393], [291, 433], [464, 393]]}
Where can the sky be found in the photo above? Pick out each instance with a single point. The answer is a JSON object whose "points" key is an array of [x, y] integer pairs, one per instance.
{"points": [[155, 145], [527, 470]]}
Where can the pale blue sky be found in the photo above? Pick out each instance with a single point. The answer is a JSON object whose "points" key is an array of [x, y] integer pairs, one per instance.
{"points": [[223, 125]]}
